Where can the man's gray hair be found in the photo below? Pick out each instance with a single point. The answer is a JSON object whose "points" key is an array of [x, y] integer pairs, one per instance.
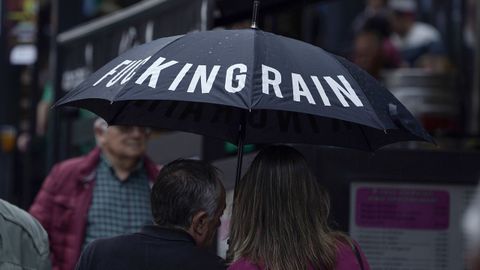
{"points": [[100, 123], [183, 188]]}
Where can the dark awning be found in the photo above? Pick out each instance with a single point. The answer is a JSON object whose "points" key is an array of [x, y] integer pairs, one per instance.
{"points": [[230, 11]]}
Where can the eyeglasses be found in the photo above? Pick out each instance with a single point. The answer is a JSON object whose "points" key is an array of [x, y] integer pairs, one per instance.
{"points": [[130, 129]]}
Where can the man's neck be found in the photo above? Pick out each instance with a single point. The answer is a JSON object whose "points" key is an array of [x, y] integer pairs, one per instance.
{"points": [[121, 166]]}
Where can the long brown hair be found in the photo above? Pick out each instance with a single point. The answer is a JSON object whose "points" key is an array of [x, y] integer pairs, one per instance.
{"points": [[280, 214]]}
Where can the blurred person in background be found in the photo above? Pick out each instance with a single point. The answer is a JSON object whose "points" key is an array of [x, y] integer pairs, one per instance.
{"points": [[187, 201], [102, 194], [280, 219], [373, 51], [373, 9], [23, 241], [468, 47], [471, 231], [367, 52], [470, 24], [420, 44]]}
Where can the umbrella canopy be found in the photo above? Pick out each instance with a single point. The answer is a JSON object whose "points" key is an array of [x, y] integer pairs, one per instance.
{"points": [[247, 85]]}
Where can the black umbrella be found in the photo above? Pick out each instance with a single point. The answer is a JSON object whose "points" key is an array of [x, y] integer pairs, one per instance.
{"points": [[247, 86]]}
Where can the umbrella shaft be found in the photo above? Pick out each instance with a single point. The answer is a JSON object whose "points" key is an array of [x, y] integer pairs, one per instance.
{"points": [[240, 144], [256, 5]]}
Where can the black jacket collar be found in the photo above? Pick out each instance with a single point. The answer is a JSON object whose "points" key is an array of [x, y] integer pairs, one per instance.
{"points": [[171, 234]]}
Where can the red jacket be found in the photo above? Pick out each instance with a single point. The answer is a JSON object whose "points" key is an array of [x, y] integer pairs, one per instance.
{"points": [[63, 202]]}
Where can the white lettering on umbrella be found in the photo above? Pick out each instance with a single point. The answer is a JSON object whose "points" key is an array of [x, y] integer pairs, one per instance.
{"points": [[235, 80], [179, 77], [267, 81], [124, 71], [300, 89], [240, 78], [342, 92], [321, 91], [113, 71], [201, 75], [133, 71], [154, 71]]}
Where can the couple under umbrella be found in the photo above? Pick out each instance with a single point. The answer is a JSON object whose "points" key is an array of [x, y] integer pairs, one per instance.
{"points": [[250, 86]]}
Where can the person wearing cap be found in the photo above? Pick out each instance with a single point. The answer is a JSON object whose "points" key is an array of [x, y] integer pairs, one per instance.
{"points": [[411, 37], [102, 194], [373, 9]]}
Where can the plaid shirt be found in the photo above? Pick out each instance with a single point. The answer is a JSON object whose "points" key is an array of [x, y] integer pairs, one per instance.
{"points": [[118, 207]]}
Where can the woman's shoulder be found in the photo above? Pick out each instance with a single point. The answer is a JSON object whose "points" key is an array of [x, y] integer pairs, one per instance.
{"points": [[347, 258], [242, 264], [350, 256]]}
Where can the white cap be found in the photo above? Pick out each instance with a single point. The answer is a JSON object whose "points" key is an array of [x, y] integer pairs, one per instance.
{"points": [[403, 5]]}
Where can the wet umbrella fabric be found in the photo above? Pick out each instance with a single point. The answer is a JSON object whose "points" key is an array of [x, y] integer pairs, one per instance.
{"points": [[249, 86]]}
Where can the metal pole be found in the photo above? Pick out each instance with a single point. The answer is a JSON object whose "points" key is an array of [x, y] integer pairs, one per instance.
{"points": [[204, 15]]}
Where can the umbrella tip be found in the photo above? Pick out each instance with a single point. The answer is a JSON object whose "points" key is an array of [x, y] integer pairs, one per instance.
{"points": [[256, 5]]}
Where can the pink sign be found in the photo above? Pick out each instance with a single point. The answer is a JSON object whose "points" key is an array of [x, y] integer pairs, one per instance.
{"points": [[402, 208]]}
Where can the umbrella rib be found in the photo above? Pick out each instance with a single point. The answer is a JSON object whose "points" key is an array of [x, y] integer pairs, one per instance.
{"points": [[366, 139], [373, 116], [117, 113]]}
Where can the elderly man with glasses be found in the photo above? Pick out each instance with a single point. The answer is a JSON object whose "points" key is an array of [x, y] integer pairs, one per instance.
{"points": [[103, 194]]}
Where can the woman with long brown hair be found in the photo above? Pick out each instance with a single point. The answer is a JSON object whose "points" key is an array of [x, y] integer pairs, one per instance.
{"points": [[279, 220]]}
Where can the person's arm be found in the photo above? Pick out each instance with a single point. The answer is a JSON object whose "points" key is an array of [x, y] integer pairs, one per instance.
{"points": [[243, 264], [43, 204], [351, 257], [361, 259], [45, 263]]}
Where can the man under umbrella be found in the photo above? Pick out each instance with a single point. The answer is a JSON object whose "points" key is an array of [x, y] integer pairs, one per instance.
{"points": [[102, 194], [187, 199]]}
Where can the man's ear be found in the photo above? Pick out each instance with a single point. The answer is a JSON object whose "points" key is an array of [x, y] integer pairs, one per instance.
{"points": [[199, 226]]}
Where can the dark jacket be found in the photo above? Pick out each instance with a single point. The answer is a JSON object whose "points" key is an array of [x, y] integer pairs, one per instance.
{"points": [[153, 248], [63, 202]]}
